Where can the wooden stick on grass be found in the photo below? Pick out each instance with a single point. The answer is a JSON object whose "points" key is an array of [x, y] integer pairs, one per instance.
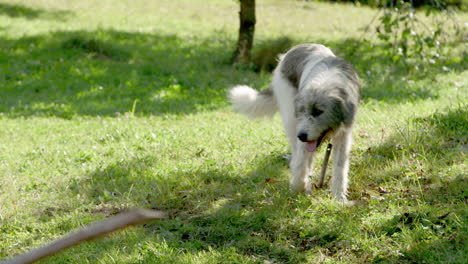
{"points": [[92, 231], [324, 166]]}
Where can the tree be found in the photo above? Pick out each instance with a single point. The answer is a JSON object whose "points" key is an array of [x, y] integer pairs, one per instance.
{"points": [[246, 32]]}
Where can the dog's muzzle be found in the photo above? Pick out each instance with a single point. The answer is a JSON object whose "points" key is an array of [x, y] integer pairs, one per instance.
{"points": [[302, 136], [312, 145]]}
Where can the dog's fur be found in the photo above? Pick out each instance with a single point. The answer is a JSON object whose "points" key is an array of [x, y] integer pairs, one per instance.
{"points": [[317, 94]]}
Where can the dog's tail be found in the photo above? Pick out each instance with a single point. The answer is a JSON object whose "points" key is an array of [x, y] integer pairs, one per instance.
{"points": [[252, 103]]}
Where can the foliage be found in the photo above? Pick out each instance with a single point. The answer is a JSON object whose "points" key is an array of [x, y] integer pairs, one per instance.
{"points": [[433, 4], [413, 42], [265, 56]]}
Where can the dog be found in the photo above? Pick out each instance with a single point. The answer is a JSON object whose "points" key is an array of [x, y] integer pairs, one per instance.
{"points": [[317, 95]]}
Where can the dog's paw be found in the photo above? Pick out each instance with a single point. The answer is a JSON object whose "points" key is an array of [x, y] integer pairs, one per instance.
{"points": [[340, 197], [354, 203], [301, 187], [287, 158]]}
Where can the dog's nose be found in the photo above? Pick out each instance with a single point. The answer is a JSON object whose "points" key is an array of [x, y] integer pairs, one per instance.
{"points": [[302, 136]]}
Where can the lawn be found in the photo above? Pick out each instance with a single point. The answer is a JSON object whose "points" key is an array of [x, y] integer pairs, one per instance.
{"points": [[110, 105]]}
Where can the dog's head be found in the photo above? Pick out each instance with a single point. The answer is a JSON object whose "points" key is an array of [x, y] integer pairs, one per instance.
{"points": [[321, 110]]}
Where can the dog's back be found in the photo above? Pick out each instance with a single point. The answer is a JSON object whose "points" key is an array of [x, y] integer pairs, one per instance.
{"points": [[255, 104], [297, 66], [300, 59]]}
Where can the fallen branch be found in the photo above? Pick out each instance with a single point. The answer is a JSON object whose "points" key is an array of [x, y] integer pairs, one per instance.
{"points": [[92, 231], [324, 166]]}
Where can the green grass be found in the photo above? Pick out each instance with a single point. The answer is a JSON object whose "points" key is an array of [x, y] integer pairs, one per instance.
{"points": [[110, 105]]}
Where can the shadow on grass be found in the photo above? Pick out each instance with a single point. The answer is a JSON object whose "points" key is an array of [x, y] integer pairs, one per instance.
{"points": [[384, 79], [254, 214], [393, 82], [418, 162], [432, 234], [436, 140], [20, 11], [440, 137], [108, 73]]}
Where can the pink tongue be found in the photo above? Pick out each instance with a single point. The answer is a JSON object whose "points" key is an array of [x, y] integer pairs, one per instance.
{"points": [[311, 146]]}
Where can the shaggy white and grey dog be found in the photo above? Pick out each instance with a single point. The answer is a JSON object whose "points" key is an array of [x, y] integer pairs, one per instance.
{"points": [[317, 94]]}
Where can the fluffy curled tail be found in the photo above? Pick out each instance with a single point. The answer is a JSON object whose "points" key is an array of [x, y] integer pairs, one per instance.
{"points": [[252, 103]]}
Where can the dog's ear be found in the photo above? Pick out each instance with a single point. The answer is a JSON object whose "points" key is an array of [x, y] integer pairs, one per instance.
{"points": [[344, 109], [349, 112], [345, 103]]}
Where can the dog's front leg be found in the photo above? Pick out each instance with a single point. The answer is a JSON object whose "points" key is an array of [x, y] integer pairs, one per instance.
{"points": [[341, 149], [300, 166]]}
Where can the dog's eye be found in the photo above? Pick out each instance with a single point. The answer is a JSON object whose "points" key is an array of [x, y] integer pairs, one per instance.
{"points": [[315, 112]]}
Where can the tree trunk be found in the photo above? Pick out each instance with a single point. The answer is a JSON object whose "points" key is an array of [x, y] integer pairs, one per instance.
{"points": [[246, 32]]}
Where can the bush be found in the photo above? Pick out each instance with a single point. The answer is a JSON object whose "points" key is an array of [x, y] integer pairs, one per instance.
{"points": [[435, 4], [414, 43], [265, 55]]}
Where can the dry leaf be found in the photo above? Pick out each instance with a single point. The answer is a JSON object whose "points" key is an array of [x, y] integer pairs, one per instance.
{"points": [[382, 190], [271, 180]]}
